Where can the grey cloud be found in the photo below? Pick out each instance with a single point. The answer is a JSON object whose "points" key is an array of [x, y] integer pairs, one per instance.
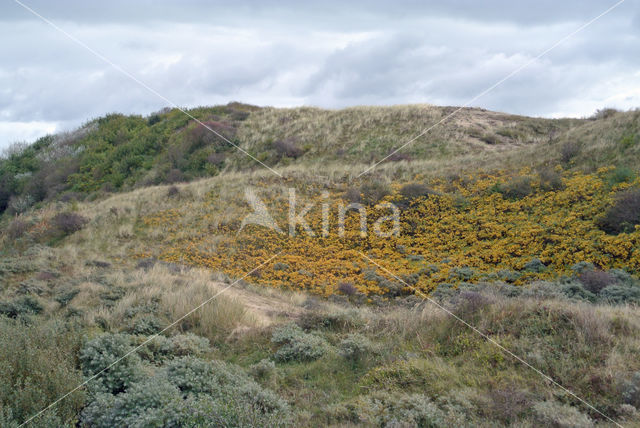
{"points": [[330, 54]]}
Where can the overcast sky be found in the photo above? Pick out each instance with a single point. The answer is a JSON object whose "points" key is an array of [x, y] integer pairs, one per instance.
{"points": [[291, 53]]}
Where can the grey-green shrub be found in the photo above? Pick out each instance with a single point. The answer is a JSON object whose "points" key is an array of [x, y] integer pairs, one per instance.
{"points": [[618, 294], [161, 348], [554, 414], [296, 345], [534, 265], [188, 391], [356, 347], [631, 390], [399, 410], [263, 371], [100, 353]]}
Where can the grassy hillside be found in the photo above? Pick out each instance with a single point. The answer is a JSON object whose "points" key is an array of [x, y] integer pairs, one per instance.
{"points": [[526, 228], [116, 152]]}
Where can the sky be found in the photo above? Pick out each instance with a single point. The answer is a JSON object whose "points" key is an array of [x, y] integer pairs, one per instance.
{"points": [[291, 53]]}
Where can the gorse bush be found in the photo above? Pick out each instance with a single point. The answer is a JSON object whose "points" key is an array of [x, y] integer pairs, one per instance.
{"points": [[296, 345]]}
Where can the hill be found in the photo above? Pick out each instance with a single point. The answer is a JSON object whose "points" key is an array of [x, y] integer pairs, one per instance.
{"points": [[120, 153], [123, 246]]}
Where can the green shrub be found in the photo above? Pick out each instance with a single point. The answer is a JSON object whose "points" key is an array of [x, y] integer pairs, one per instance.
{"points": [[17, 228], [462, 273], [100, 353], [66, 296], [575, 290], [263, 371], [621, 174], [224, 381], [161, 348], [581, 267], [618, 294], [356, 348], [553, 414], [188, 391], [353, 195], [508, 275], [146, 325], [338, 320], [296, 345], [413, 191], [534, 265], [37, 367]]}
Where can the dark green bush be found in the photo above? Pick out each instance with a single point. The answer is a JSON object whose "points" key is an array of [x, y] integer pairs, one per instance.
{"points": [[554, 414], [397, 410], [631, 390], [287, 148], [25, 305], [17, 228], [162, 348], [146, 325], [534, 265], [624, 215], [621, 174], [263, 371]]}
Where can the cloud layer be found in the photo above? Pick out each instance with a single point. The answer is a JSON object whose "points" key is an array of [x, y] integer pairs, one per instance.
{"points": [[330, 55]]}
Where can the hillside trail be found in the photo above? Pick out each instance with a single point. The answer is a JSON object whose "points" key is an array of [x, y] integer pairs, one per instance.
{"points": [[266, 309]]}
